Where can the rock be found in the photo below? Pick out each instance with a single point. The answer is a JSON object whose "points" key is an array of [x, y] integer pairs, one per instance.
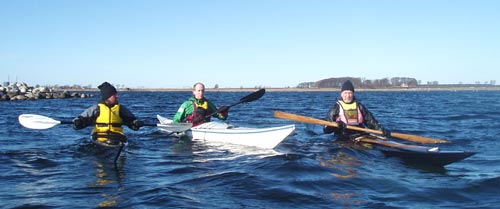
{"points": [[18, 97], [5, 97], [21, 91]]}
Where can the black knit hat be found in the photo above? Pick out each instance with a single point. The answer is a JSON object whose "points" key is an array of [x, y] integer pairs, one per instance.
{"points": [[107, 90], [347, 85]]}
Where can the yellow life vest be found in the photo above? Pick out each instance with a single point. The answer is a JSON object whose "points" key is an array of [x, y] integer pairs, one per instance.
{"points": [[109, 120], [203, 105], [350, 113]]}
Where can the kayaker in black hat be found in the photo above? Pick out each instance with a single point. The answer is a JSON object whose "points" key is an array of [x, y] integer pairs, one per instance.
{"points": [[107, 116], [348, 111]]}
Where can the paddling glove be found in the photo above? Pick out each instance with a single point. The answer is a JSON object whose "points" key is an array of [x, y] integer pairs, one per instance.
{"points": [[78, 123], [223, 109], [386, 132], [328, 129], [136, 124], [341, 126]]}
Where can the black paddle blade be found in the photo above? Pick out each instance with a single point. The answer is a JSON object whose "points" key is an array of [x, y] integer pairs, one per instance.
{"points": [[253, 96], [248, 98]]}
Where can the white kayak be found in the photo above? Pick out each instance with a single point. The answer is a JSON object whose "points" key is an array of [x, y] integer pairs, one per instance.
{"points": [[222, 132], [168, 125]]}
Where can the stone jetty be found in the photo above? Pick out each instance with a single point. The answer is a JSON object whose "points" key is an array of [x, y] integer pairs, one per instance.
{"points": [[21, 91]]}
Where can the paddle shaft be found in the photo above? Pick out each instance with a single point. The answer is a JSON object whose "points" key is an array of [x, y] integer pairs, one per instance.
{"points": [[150, 124], [33, 121], [248, 98], [119, 151], [310, 120]]}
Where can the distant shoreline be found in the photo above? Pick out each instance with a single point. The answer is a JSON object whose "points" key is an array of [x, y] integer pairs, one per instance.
{"points": [[482, 88]]}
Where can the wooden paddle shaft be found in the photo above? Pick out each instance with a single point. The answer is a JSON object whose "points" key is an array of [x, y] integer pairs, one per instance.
{"points": [[310, 120]]}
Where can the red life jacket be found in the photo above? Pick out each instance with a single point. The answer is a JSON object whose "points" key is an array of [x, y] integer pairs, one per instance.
{"points": [[199, 114]]}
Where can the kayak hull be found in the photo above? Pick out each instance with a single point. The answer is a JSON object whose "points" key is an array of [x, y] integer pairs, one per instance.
{"points": [[257, 137], [266, 138], [439, 158], [415, 153]]}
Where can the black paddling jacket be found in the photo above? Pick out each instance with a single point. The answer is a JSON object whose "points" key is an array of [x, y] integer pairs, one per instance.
{"points": [[90, 115]]}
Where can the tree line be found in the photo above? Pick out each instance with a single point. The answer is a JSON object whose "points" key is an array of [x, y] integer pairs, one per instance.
{"points": [[362, 83], [400, 82]]}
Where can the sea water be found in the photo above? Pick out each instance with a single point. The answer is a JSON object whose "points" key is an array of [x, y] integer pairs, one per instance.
{"points": [[59, 167]]}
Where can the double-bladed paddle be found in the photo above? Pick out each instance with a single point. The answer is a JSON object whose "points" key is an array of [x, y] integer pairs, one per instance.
{"points": [[248, 98], [33, 121], [304, 119]]}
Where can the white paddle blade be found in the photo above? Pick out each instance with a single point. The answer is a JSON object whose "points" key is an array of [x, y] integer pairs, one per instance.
{"points": [[33, 121]]}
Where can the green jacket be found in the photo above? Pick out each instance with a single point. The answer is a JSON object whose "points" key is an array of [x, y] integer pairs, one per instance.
{"points": [[186, 112]]}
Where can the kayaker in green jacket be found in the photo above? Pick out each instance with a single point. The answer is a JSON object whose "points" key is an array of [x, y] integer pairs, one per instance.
{"points": [[348, 111], [198, 109]]}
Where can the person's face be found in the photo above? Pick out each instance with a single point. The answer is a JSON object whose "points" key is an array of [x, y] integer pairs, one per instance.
{"points": [[112, 99], [199, 91], [347, 96]]}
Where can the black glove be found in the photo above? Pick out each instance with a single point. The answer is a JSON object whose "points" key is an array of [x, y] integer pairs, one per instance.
{"points": [[222, 109], [79, 123], [386, 132], [136, 124], [328, 129], [341, 126]]}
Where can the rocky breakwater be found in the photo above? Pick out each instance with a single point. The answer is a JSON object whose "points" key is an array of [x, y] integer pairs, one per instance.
{"points": [[21, 91]]}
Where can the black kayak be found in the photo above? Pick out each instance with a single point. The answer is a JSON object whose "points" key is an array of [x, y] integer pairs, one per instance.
{"points": [[418, 154], [428, 156], [110, 143]]}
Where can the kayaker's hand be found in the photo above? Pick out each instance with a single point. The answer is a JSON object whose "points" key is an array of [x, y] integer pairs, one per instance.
{"points": [[223, 109], [328, 129], [78, 123], [341, 125], [136, 124], [386, 132]]}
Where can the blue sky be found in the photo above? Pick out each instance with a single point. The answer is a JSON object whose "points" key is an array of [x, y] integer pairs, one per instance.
{"points": [[237, 43]]}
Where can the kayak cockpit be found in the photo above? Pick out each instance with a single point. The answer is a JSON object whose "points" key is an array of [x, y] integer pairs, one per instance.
{"points": [[109, 139]]}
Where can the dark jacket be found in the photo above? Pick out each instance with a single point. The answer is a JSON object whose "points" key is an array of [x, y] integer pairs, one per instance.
{"points": [[90, 115], [369, 121]]}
